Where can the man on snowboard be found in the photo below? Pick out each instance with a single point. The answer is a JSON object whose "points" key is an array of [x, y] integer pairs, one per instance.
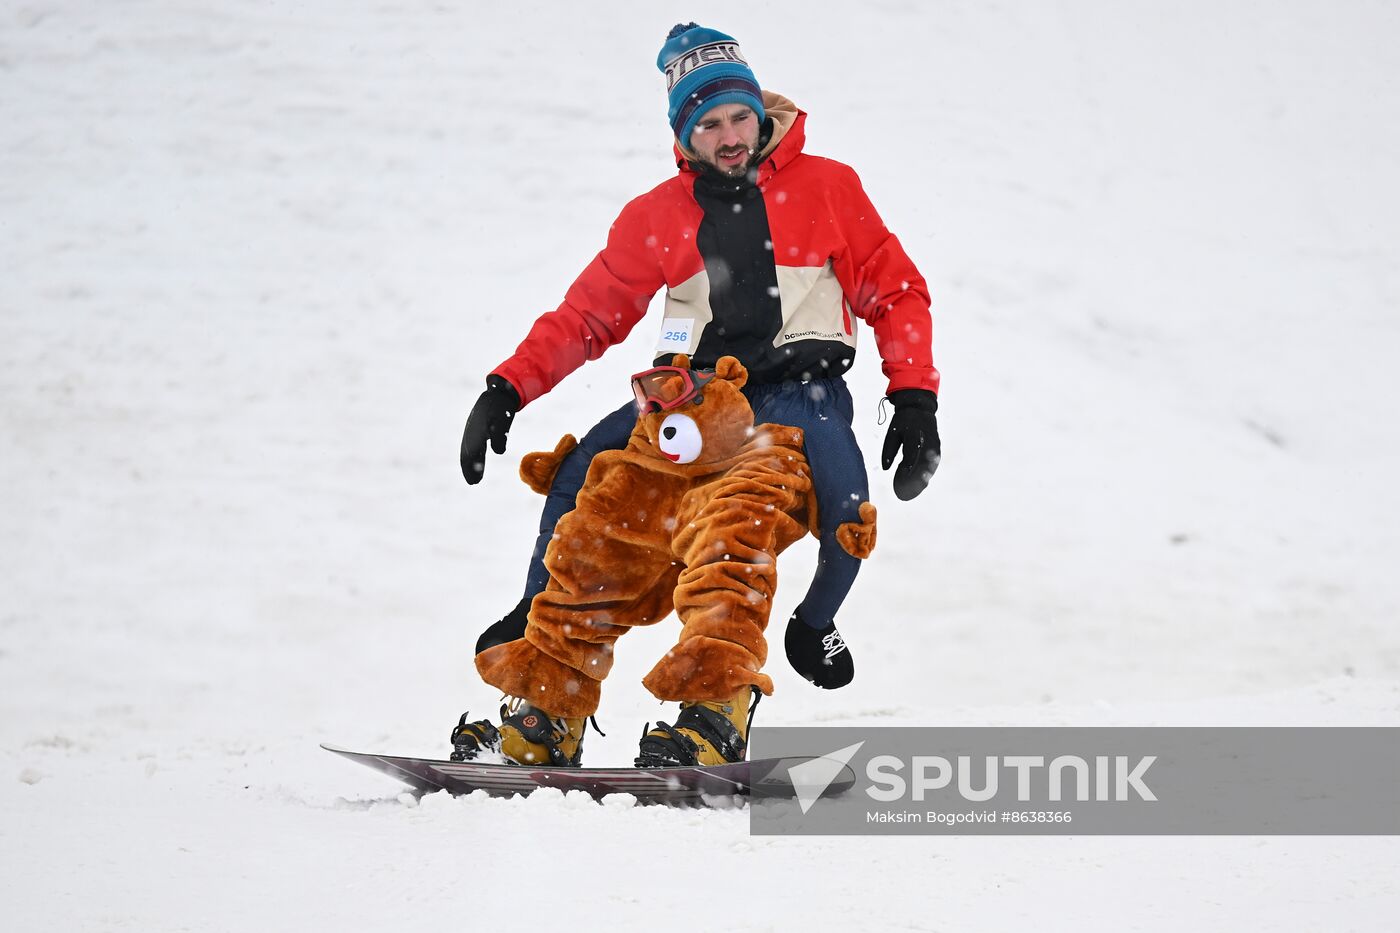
{"points": [[768, 255]]}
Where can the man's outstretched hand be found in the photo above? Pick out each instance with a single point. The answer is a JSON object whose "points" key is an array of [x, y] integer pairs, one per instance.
{"points": [[490, 420], [914, 430]]}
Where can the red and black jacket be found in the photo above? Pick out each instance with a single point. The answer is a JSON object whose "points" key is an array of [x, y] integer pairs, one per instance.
{"points": [[775, 271]]}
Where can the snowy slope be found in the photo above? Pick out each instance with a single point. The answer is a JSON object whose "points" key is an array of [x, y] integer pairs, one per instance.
{"points": [[255, 260]]}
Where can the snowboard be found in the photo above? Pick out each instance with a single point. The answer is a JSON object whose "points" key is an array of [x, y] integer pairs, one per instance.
{"points": [[712, 785]]}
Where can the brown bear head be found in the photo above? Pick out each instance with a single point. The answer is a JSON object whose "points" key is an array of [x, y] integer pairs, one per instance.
{"points": [[710, 427]]}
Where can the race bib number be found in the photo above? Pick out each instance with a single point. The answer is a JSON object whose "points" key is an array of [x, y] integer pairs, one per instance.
{"points": [[675, 335]]}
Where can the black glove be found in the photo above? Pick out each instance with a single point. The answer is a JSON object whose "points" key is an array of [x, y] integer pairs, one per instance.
{"points": [[914, 428], [489, 421], [820, 655]]}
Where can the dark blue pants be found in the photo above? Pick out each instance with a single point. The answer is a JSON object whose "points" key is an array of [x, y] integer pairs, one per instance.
{"points": [[823, 410]]}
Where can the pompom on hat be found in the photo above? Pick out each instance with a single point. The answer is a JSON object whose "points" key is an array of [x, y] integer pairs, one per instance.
{"points": [[703, 69]]}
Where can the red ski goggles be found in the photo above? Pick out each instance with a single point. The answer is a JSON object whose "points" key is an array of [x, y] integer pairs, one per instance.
{"points": [[662, 388]]}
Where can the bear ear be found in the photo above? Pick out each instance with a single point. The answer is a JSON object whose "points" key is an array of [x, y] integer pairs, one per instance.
{"points": [[731, 370], [681, 360]]}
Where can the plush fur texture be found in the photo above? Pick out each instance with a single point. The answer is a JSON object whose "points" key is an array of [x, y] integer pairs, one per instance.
{"points": [[691, 515], [538, 469]]}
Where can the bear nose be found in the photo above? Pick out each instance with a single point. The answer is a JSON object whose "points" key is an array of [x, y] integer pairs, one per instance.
{"points": [[669, 433]]}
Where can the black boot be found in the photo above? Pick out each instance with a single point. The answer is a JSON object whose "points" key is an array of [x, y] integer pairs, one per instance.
{"points": [[820, 655], [508, 629]]}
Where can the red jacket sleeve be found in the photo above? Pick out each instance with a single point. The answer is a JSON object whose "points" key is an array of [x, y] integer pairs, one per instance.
{"points": [[885, 289], [600, 309]]}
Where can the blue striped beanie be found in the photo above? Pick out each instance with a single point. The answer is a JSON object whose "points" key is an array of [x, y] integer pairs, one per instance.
{"points": [[704, 69]]}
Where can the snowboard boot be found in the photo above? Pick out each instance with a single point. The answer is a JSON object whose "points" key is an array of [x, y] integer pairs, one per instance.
{"points": [[705, 733], [526, 736]]}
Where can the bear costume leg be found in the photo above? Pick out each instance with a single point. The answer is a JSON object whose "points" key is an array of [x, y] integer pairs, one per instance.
{"points": [[725, 593], [603, 580]]}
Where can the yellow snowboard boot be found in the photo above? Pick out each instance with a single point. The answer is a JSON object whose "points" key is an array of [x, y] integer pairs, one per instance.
{"points": [[705, 733], [527, 736]]}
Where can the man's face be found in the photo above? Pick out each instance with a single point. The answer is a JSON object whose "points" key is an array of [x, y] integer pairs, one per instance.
{"points": [[726, 137]]}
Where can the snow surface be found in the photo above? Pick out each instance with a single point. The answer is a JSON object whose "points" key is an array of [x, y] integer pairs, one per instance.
{"points": [[255, 260]]}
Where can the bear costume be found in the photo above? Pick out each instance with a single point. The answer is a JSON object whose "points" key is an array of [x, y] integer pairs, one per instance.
{"points": [[690, 515]]}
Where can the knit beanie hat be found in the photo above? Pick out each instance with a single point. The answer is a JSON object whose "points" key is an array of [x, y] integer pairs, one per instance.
{"points": [[704, 69]]}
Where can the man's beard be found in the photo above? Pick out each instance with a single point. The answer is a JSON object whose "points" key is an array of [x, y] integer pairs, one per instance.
{"points": [[736, 172]]}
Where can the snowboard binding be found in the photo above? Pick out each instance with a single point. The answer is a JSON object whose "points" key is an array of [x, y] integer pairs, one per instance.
{"points": [[526, 736], [705, 733], [470, 739]]}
